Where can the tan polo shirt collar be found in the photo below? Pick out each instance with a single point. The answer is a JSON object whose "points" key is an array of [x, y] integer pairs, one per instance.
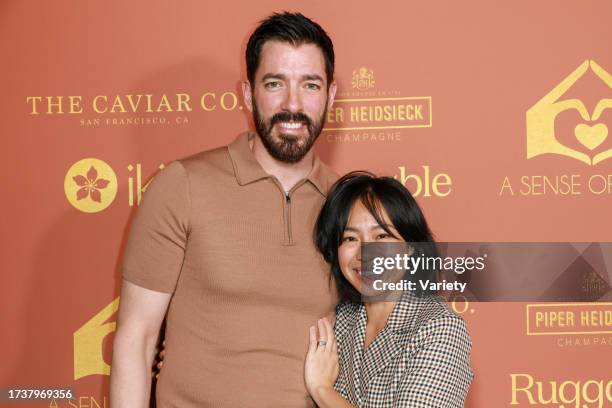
{"points": [[248, 170]]}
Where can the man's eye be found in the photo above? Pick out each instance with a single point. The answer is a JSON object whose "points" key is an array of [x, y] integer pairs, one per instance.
{"points": [[272, 85], [313, 87]]}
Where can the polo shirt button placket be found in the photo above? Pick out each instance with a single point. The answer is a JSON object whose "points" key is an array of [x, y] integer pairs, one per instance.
{"points": [[287, 219]]}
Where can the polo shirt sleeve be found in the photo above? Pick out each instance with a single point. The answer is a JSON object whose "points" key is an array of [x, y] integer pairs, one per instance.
{"points": [[156, 244]]}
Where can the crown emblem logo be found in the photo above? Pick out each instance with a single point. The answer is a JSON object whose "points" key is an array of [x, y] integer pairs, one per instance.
{"points": [[363, 78]]}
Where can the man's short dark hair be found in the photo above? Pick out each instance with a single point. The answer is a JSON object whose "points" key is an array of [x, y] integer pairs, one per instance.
{"points": [[376, 194], [292, 28]]}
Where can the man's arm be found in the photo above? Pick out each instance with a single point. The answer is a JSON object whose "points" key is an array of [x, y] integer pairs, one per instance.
{"points": [[141, 313]]}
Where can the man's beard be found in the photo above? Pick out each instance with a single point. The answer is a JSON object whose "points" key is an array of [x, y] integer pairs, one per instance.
{"points": [[288, 149]]}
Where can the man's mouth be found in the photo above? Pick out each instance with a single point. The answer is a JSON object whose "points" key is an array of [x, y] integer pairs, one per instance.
{"points": [[290, 125]]}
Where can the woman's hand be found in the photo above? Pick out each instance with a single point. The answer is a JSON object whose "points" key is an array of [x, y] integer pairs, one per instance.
{"points": [[321, 366], [159, 361]]}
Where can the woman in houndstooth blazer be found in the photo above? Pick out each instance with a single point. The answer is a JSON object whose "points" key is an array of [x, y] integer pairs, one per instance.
{"points": [[409, 352]]}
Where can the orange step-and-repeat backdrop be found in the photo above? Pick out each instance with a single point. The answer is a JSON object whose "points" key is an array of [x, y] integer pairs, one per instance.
{"points": [[495, 114]]}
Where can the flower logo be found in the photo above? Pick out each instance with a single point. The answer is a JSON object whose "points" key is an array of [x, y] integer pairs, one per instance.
{"points": [[90, 185]]}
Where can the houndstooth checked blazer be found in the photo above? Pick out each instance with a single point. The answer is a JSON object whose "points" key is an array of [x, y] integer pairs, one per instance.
{"points": [[421, 359]]}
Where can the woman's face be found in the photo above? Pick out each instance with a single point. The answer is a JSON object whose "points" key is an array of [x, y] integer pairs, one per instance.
{"points": [[360, 228]]}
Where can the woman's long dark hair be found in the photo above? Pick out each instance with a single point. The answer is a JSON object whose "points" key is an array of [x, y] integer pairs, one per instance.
{"points": [[374, 192]]}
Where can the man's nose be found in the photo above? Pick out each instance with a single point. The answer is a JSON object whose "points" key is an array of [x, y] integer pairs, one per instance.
{"points": [[293, 100]]}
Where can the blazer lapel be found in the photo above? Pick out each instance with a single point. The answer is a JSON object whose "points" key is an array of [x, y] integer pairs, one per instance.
{"points": [[392, 340], [379, 354]]}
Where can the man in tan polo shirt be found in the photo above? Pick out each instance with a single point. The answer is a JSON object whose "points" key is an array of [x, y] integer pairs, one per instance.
{"points": [[222, 242]]}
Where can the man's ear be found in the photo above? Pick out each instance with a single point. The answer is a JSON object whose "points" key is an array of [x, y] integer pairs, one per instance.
{"points": [[331, 94], [247, 94]]}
